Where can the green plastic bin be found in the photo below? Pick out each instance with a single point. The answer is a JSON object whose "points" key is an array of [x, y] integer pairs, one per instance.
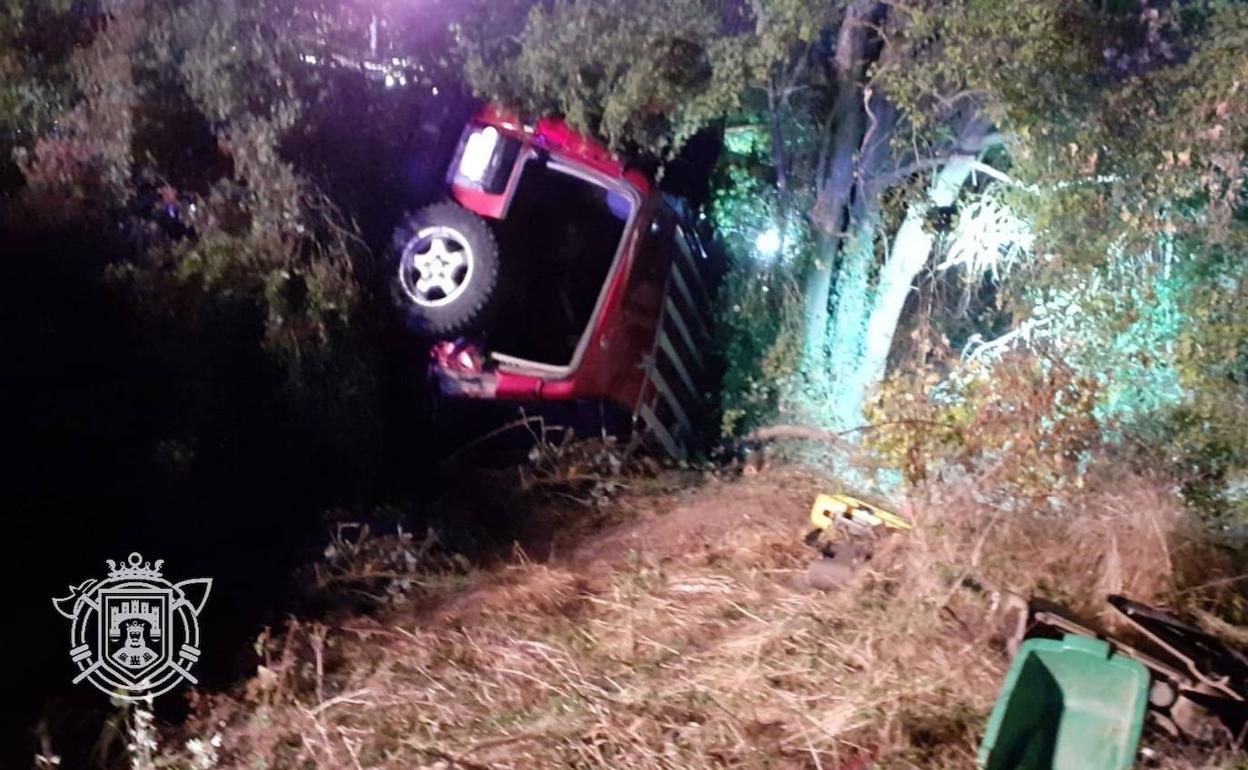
{"points": [[1067, 705]]}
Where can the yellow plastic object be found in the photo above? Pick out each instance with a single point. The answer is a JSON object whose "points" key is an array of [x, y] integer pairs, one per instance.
{"points": [[831, 509]]}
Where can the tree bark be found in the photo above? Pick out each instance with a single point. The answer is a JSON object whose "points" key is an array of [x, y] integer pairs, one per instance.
{"points": [[839, 166], [849, 316], [912, 247]]}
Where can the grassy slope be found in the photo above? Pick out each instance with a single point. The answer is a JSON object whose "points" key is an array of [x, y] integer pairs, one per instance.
{"points": [[686, 638]]}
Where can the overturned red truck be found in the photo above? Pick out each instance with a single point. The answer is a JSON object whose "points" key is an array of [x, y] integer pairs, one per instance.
{"points": [[559, 273]]}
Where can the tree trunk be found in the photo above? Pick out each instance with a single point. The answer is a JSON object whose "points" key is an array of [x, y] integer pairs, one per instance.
{"points": [[818, 290], [912, 247], [838, 172], [849, 318]]}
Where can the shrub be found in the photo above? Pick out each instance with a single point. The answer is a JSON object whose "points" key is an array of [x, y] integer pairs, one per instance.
{"points": [[1024, 425]]}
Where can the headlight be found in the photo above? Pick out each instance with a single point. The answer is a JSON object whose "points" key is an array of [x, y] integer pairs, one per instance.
{"points": [[484, 160], [478, 152]]}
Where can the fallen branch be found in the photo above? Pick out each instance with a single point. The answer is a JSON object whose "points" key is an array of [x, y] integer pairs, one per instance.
{"points": [[448, 758], [807, 433], [800, 432], [1212, 584], [352, 698]]}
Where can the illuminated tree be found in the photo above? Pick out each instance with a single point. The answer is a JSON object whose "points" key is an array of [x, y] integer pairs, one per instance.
{"points": [[651, 79], [878, 140], [1101, 125], [1127, 156]]}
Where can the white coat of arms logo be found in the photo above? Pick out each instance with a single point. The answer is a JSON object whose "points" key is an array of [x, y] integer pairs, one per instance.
{"points": [[135, 635]]}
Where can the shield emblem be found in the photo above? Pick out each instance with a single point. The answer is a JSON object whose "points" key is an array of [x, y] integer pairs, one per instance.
{"points": [[135, 630], [135, 635]]}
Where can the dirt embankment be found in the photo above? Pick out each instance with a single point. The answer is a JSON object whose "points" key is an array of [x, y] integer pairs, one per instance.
{"points": [[678, 632]]}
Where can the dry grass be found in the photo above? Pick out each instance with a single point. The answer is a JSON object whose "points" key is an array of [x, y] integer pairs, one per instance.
{"points": [[701, 647]]}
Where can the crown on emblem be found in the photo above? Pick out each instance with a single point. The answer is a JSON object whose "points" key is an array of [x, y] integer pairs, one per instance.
{"points": [[134, 567]]}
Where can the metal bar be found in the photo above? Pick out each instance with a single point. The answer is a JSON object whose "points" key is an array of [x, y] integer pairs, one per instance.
{"points": [[672, 313], [660, 432], [1070, 627], [691, 261], [678, 278], [665, 345], [666, 393], [1221, 685]]}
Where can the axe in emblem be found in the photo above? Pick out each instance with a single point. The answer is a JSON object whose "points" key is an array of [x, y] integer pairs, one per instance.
{"points": [[70, 605]]}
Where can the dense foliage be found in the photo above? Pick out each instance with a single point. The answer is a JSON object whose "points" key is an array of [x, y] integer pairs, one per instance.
{"points": [[1073, 168], [1009, 235], [177, 113], [193, 157], [1128, 163]]}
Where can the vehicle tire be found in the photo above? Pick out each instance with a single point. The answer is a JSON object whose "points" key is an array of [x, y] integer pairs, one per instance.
{"points": [[448, 270]]}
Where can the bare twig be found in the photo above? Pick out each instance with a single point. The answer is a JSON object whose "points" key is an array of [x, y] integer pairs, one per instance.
{"points": [[316, 638], [450, 759], [1212, 583], [523, 422], [353, 698]]}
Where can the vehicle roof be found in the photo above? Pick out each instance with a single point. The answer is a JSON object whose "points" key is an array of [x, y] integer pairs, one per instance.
{"points": [[555, 135]]}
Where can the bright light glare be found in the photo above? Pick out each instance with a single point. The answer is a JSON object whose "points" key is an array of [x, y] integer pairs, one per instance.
{"points": [[389, 80], [477, 153], [768, 242]]}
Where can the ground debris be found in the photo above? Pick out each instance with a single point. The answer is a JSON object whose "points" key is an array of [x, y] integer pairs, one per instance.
{"points": [[682, 634]]}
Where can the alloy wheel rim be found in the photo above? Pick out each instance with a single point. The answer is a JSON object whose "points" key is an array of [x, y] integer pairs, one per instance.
{"points": [[437, 266]]}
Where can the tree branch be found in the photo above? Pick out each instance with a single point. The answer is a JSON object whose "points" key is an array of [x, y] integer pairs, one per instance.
{"points": [[977, 349], [777, 139], [966, 151], [995, 173], [885, 181], [808, 433]]}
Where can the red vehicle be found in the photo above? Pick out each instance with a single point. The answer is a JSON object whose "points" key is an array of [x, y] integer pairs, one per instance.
{"points": [[559, 274]]}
